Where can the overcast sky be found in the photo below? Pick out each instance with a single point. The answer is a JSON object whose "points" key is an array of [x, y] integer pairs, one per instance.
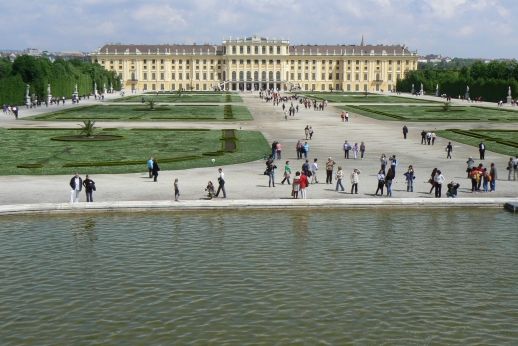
{"points": [[456, 28]]}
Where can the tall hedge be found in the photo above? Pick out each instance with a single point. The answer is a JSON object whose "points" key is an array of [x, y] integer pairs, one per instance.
{"points": [[12, 90]]}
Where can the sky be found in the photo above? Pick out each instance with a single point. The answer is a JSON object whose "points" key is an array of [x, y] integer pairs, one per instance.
{"points": [[455, 28]]}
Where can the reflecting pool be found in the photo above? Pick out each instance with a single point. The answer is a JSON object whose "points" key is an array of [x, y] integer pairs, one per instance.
{"points": [[428, 277]]}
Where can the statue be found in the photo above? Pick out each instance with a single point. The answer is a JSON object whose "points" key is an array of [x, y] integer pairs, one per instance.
{"points": [[95, 89], [111, 87], [49, 96], [27, 98], [75, 94], [466, 97], [509, 99], [413, 91], [422, 92], [437, 90], [508, 93]]}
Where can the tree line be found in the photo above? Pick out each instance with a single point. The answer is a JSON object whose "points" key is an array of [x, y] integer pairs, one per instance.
{"points": [[489, 81], [62, 75]]}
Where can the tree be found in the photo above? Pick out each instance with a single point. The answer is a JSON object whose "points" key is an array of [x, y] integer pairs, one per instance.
{"points": [[28, 68], [6, 68], [151, 103]]}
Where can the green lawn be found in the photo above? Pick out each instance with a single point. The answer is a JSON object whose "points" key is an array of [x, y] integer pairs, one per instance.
{"points": [[193, 97], [433, 113], [500, 141], [194, 148], [144, 113], [359, 97]]}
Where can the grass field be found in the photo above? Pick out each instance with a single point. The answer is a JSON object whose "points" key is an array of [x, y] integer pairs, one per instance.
{"points": [[143, 113], [500, 141], [35, 146], [185, 98], [360, 98], [433, 113]]}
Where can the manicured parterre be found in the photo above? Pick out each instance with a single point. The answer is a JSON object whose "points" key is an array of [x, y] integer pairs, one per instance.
{"points": [[184, 98]]}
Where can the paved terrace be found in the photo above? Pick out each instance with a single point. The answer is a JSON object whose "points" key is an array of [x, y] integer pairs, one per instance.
{"points": [[246, 182]]}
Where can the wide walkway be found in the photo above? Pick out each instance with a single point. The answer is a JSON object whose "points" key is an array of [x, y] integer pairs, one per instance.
{"points": [[247, 182]]}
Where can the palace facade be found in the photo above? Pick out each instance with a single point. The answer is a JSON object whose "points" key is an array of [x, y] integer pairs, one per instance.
{"points": [[254, 63]]}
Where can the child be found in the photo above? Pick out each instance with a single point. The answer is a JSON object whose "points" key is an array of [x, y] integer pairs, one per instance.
{"points": [[176, 191]]}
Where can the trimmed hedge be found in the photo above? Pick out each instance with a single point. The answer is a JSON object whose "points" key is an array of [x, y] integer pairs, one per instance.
{"points": [[30, 165]]}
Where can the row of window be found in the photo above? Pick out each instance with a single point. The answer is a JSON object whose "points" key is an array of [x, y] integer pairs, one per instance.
{"points": [[234, 86], [255, 49]]}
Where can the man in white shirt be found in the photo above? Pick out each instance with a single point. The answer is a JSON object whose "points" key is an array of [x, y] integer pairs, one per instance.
{"points": [[221, 181], [314, 171], [76, 183]]}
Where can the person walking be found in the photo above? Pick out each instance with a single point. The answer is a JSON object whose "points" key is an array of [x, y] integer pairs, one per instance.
{"points": [[296, 185], [310, 132], [306, 131], [432, 179], [434, 136], [515, 168], [423, 137], [346, 117], [329, 170], [76, 183], [314, 171], [482, 150], [287, 173], [305, 147], [381, 182], [388, 180], [89, 186], [356, 148], [150, 167], [303, 184], [494, 175], [510, 168], [362, 149], [449, 149], [221, 182], [339, 176], [299, 147], [438, 179], [176, 191], [343, 116], [410, 179], [155, 170], [355, 180], [405, 131]]}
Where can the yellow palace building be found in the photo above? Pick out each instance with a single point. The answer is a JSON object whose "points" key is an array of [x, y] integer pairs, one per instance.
{"points": [[254, 63]]}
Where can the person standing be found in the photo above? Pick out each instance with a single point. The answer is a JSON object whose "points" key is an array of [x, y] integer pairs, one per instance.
{"points": [[515, 168], [393, 164], [434, 136], [305, 168], [423, 137], [356, 148], [303, 185], [89, 186], [429, 137], [362, 149], [274, 149], [388, 180], [494, 175], [410, 179], [381, 182], [150, 167], [383, 161], [314, 171], [287, 173], [76, 183], [438, 179], [347, 117], [339, 177], [449, 149], [470, 163], [271, 174], [310, 132], [306, 131], [306, 150], [176, 191], [299, 147], [355, 180], [329, 170], [156, 168], [296, 185], [343, 116], [482, 150], [346, 149], [405, 131], [279, 151], [221, 182]]}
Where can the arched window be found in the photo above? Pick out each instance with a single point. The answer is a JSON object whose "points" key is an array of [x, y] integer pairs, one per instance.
{"points": [[264, 49], [132, 75], [240, 75], [279, 50], [248, 49], [256, 49], [271, 49], [233, 49], [270, 75], [256, 75], [263, 75], [241, 49], [233, 75], [248, 75], [278, 75]]}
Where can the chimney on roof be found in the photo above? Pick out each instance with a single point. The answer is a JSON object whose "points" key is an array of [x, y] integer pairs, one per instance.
{"points": [[363, 43]]}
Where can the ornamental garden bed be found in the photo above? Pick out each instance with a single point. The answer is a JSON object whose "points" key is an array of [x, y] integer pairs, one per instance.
{"points": [[500, 141], [32, 151], [144, 113], [431, 113], [186, 97]]}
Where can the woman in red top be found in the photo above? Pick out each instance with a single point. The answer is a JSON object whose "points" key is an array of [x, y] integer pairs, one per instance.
{"points": [[303, 184]]}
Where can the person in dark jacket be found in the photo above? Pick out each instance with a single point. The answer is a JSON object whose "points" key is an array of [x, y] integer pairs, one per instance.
{"points": [[89, 185], [388, 180], [405, 131], [156, 168]]}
